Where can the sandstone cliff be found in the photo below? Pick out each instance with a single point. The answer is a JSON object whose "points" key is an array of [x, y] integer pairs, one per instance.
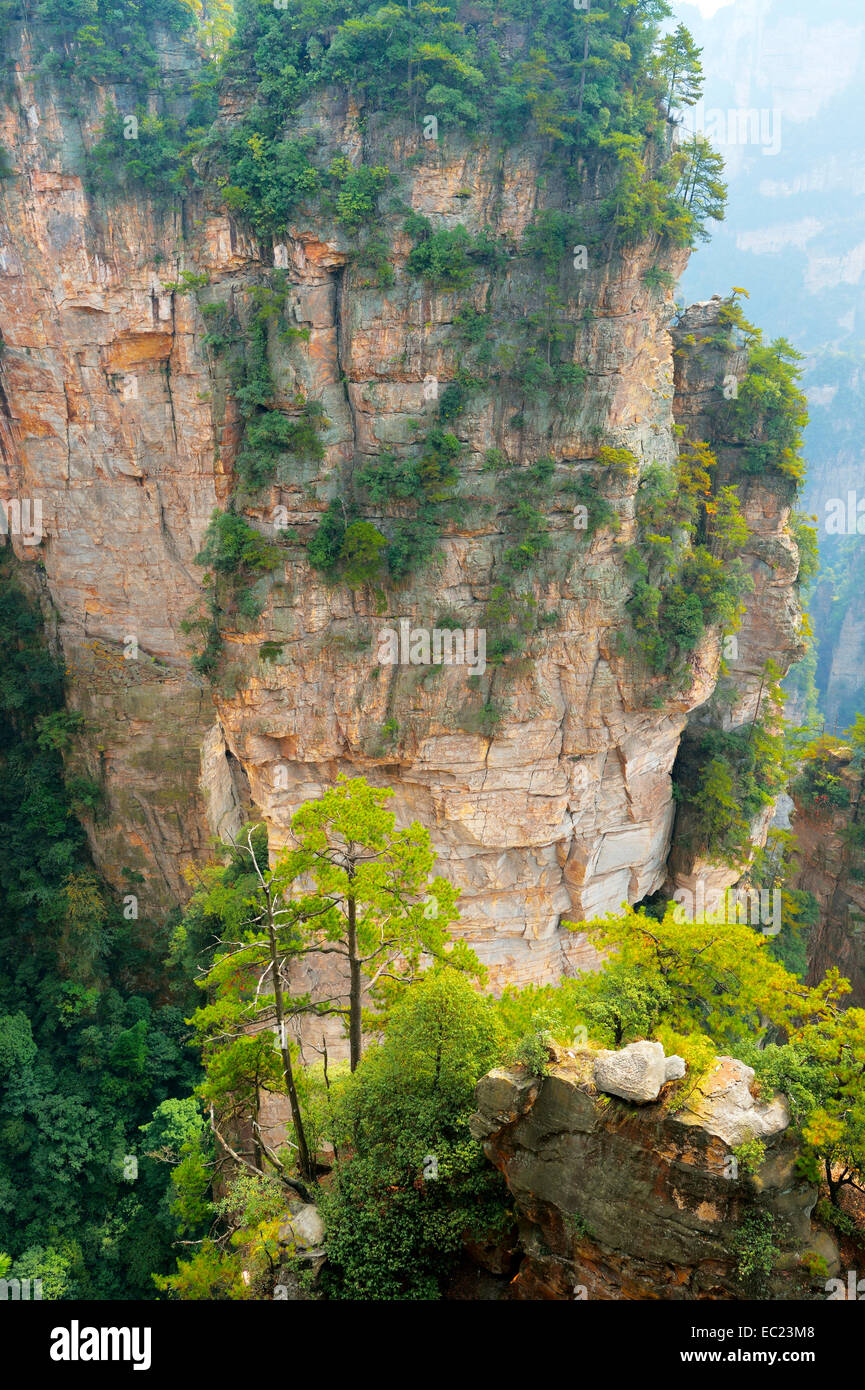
{"points": [[546, 784], [770, 629], [830, 866]]}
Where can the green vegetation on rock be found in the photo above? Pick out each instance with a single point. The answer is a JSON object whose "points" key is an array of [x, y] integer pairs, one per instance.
{"points": [[93, 1052]]}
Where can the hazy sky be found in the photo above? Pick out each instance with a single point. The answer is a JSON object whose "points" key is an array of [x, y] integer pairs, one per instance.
{"points": [[709, 7]]}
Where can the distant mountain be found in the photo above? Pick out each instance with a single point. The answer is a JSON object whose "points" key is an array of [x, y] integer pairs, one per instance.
{"points": [[784, 104]]}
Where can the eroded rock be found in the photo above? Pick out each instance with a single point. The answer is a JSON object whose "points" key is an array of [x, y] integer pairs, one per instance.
{"points": [[637, 1072], [635, 1201], [724, 1104], [121, 424]]}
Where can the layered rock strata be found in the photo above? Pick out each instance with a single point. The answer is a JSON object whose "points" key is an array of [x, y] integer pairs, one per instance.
{"points": [[640, 1201], [771, 624], [833, 869], [117, 419]]}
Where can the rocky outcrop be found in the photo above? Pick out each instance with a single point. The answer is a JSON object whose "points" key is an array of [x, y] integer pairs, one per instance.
{"points": [[303, 1232], [300, 1254], [771, 626], [104, 420], [771, 623], [623, 1201]]}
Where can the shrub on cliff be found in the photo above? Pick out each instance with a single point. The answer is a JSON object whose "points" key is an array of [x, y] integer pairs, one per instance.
{"points": [[819, 786], [687, 573], [722, 785], [413, 1185], [348, 548], [268, 180], [148, 159], [232, 545], [771, 412], [723, 779], [755, 1251], [235, 556], [98, 40], [450, 257], [269, 436], [88, 1043]]}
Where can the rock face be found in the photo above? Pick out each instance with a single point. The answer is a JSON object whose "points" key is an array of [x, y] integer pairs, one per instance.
{"points": [[771, 623], [725, 1106], [118, 420], [301, 1254], [104, 421], [617, 1201], [845, 658], [830, 868]]}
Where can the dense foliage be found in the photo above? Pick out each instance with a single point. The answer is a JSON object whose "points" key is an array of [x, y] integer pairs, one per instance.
{"points": [[686, 569], [593, 84], [724, 779], [820, 785], [408, 1185], [352, 891], [91, 1043], [414, 1185], [768, 412], [99, 40]]}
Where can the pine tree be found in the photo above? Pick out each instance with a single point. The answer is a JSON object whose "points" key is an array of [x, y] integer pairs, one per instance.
{"points": [[679, 62], [359, 889], [702, 189]]}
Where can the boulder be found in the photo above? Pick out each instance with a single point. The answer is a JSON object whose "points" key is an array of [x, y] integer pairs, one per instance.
{"points": [[637, 1072], [304, 1230], [502, 1096], [674, 1068]]}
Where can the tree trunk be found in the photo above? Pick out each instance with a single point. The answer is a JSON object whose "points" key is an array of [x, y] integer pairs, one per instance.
{"points": [[257, 1150], [583, 77], [306, 1166], [354, 989], [327, 1093], [757, 710], [672, 92]]}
